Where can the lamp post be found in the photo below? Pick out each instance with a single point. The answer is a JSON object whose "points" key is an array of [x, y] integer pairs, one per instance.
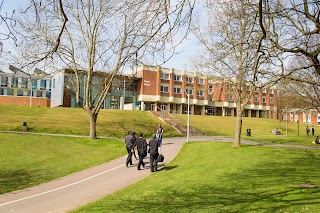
{"points": [[188, 118]]}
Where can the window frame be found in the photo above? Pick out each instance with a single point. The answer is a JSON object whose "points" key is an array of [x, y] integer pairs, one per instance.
{"points": [[162, 89], [177, 77], [175, 90], [164, 76]]}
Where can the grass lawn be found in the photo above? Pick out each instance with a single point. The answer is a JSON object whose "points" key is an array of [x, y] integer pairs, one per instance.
{"points": [[214, 177], [28, 160], [261, 129], [111, 123]]}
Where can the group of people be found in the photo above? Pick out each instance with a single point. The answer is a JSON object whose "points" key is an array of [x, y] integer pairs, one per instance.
{"points": [[142, 148], [308, 130]]}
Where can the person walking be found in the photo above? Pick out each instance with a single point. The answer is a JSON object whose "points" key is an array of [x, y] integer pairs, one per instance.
{"points": [[141, 145], [312, 130], [129, 140], [133, 152], [155, 147], [307, 130], [159, 133]]}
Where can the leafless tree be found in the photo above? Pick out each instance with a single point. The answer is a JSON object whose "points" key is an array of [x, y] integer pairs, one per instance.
{"points": [[294, 29], [7, 22], [86, 36], [233, 42]]}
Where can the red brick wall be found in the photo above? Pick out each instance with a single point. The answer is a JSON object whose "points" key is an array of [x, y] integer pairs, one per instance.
{"points": [[149, 83], [24, 101]]}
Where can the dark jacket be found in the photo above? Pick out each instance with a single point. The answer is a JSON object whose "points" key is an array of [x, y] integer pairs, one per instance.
{"points": [[129, 140], [154, 144], [141, 144]]}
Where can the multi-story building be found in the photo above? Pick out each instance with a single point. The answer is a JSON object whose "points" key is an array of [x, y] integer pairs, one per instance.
{"points": [[157, 88], [311, 117], [168, 89], [20, 88], [147, 88]]}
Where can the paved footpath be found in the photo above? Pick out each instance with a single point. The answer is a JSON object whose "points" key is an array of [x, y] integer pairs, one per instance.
{"points": [[81, 188]]}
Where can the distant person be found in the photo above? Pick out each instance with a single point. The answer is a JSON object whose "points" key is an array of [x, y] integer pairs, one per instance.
{"points": [[312, 130], [316, 141], [133, 152], [155, 147], [159, 133], [307, 130], [141, 145], [129, 140]]}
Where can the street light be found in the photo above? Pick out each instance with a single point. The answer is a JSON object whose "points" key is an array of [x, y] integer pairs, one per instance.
{"points": [[188, 120]]}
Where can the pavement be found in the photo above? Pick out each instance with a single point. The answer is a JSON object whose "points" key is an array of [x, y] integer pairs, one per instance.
{"points": [[78, 189]]}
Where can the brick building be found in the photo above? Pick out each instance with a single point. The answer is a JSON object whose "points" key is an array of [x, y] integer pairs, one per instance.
{"points": [[147, 88], [167, 89]]}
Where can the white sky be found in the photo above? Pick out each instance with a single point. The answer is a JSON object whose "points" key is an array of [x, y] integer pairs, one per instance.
{"points": [[186, 50]]}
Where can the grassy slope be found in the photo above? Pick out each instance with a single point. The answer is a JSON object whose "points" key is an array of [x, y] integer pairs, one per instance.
{"points": [[114, 123], [261, 129], [28, 160], [214, 177]]}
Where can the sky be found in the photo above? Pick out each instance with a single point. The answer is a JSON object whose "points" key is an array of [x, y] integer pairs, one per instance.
{"points": [[187, 49]]}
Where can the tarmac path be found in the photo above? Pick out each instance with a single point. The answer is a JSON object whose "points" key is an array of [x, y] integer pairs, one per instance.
{"points": [[81, 188]]}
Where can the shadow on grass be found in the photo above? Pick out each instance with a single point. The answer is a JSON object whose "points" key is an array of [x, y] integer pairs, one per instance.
{"points": [[168, 168], [264, 187], [19, 179]]}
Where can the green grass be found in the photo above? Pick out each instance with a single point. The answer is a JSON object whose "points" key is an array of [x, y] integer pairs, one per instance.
{"points": [[214, 177], [261, 129], [112, 123], [29, 160]]}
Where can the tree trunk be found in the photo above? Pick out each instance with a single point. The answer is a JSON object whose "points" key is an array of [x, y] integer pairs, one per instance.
{"points": [[93, 126], [237, 137]]}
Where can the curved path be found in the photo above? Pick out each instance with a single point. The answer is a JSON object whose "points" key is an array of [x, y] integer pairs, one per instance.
{"points": [[81, 188]]}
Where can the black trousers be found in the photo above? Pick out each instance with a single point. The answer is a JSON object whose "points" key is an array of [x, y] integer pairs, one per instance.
{"points": [[129, 158], [140, 160], [154, 162]]}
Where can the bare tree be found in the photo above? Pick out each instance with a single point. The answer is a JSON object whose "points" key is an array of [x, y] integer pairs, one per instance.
{"points": [[294, 29], [232, 42], [99, 35], [7, 22]]}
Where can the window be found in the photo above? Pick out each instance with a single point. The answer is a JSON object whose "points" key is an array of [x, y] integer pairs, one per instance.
{"points": [[189, 91], [200, 81], [43, 84], [14, 82], [177, 77], [200, 93], [256, 99], [264, 100], [248, 88], [54, 83], [271, 91], [264, 91], [24, 83], [164, 89], [4, 81], [210, 89], [177, 90], [271, 100], [230, 97], [189, 79], [164, 76]]}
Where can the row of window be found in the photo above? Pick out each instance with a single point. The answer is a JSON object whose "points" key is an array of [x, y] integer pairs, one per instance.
{"points": [[20, 92], [177, 90], [166, 76], [23, 83]]}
